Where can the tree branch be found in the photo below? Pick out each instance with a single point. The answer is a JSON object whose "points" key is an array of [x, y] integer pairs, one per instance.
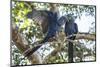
{"points": [[22, 44], [83, 36]]}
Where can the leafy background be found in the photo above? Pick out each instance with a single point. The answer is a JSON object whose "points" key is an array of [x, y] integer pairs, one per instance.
{"points": [[32, 31]]}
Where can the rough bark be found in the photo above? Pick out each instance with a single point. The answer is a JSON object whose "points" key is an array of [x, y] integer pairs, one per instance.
{"points": [[22, 44]]}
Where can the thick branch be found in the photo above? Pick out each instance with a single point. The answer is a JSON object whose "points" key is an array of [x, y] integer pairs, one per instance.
{"points": [[22, 44], [83, 36]]}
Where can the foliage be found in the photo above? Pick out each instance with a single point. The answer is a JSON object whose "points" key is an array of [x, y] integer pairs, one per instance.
{"points": [[33, 32], [17, 58]]}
